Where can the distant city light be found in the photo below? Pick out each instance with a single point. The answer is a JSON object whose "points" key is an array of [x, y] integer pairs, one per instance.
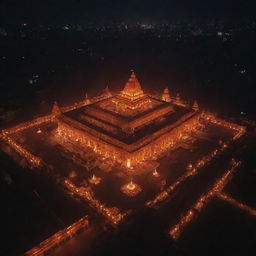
{"points": [[242, 71], [65, 27]]}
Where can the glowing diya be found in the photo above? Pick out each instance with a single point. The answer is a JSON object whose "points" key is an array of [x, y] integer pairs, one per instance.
{"points": [[72, 174], [95, 180], [131, 189], [155, 173], [189, 167], [39, 131], [128, 163]]}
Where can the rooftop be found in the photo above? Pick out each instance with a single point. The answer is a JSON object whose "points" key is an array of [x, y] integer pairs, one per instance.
{"points": [[129, 117]]}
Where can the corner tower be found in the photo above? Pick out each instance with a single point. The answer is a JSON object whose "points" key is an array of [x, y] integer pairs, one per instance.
{"points": [[166, 95]]}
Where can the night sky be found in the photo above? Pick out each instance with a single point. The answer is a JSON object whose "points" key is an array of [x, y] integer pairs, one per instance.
{"points": [[84, 11]]}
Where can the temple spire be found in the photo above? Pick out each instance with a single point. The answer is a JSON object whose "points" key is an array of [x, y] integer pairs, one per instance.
{"points": [[133, 74], [166, 95], [87, 100], [132, 89], [195, 106], [107, 92], [55, 109], [133, 85]]}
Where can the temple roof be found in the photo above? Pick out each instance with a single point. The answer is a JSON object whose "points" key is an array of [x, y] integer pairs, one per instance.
{"points": [[133, 85]]}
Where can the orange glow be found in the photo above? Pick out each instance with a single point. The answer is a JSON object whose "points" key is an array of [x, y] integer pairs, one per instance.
{"points": [[95, 180], [166, 95], [32, 160], [39, 131], [193, 169], [177, 229], [130, 186], [155, 173], [113, 214], [131, 189], [115, 128], [237, 204], [132, 89], [58, 238], [128, 164], [114, 150]]}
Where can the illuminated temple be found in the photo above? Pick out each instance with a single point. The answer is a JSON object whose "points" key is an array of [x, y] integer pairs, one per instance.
{"points": [[122, 134], [130, 126]]}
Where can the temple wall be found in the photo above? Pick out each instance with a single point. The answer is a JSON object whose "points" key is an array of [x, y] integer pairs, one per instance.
{"points": [[32, 159], [128, 147], [157, 143], [166, 141], [73, 124], [167, 129], [29, 124], [58, 238], [88, 140], [211, 117], [119, 144]]}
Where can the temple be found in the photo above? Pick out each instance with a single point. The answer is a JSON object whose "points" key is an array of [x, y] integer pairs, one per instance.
{"points": [[118, 151], [130, 126]]}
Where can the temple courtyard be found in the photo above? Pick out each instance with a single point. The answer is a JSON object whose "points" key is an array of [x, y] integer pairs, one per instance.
{"points": [[110, 159]]}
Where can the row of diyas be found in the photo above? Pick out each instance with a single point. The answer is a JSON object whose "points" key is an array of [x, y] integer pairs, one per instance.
{"points": [[34, 161], [113, 215], [240, 130], [155, 147], [193, 169], [56, 110], [237, 204], [176, 230], [55, 240]]}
